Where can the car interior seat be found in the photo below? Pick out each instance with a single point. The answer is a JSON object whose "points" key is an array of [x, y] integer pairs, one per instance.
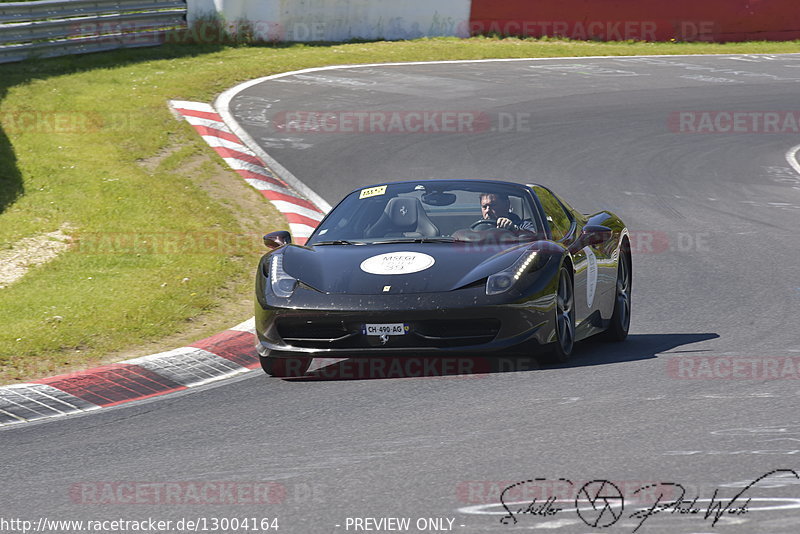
{"points": [[403, 217]]}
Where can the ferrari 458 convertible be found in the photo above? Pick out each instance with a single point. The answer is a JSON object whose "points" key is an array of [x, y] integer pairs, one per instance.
{"points": [[443, 267]]}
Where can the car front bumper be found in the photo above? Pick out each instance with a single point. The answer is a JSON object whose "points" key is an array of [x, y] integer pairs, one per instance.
{"points": [[316, 324]]}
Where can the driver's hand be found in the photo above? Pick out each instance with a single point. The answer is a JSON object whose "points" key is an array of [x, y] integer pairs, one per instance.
{"points": [[504, 222]]}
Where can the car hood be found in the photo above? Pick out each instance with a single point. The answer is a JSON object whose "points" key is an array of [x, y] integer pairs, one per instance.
{"points": [[396, 268]]}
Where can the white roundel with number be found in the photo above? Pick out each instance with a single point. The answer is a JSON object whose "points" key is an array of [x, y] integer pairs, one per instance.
{"points": [[397, 263]]}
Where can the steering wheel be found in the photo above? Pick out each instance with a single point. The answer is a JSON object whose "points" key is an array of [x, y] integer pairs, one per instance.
{"points": [[489, 223]]}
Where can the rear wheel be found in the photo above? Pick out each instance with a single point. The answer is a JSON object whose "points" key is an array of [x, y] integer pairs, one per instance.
{"points": [[565, 317], [621, 318], [291, 367]]}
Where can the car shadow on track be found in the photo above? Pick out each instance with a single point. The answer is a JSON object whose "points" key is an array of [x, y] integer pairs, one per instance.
{"points": [[636, 347], [455, 366]]}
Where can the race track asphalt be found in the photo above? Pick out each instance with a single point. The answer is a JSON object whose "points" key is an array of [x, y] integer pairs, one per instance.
{"points": [[714, 219]]}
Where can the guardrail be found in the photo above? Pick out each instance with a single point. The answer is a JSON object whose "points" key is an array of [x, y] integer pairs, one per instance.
{"points": [[51, 28]]}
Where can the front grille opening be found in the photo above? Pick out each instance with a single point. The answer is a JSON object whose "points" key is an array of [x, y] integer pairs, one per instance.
{"points": [[311, 330], [458, 332]]}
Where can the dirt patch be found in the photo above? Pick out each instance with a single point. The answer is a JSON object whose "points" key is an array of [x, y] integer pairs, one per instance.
{"points": [[251, 210], [30, 252], [152, 163]]}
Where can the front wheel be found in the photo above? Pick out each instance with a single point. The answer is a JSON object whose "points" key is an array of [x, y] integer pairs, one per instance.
{"points": [[291, 367], [565, 317], [621, 318]]}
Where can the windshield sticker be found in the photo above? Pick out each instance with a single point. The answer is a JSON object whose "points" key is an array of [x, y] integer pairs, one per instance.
{"points": [[372, 192], [397, 263], [591, 276]]}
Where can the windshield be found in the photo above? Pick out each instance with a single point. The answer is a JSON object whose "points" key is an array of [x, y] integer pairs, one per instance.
{"points": [[430, 211]]}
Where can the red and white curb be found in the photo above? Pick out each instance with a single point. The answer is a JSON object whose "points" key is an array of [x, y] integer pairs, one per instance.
{"points": [[221, 356], [303, 214]]}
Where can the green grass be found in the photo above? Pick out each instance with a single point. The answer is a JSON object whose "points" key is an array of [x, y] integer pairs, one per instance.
{"points": [[105, 175]]}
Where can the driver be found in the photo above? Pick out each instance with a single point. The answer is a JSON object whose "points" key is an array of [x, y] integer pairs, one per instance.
{"points": [[495, 206]]}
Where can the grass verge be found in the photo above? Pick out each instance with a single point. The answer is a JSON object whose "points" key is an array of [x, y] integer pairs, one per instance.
{"points": [[165, 238]]}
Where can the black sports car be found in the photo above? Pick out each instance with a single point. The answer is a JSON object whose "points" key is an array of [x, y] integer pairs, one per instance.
{"points": [[443, 267]]}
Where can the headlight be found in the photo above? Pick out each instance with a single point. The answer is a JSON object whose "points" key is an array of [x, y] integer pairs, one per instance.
{"points": [[504, 280], [282, 284]]}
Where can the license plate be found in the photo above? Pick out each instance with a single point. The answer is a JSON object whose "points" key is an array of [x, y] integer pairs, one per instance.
{"points": [[390, 329]]}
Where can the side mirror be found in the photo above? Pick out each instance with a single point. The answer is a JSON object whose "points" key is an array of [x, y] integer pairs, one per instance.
{"points": [[277, 239], [595, 234]]}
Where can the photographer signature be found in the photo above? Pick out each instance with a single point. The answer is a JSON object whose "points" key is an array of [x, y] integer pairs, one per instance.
{"points": [[606, 502]]}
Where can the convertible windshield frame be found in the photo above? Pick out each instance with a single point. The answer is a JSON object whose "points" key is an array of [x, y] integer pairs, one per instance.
{"points": [[430, 211]]}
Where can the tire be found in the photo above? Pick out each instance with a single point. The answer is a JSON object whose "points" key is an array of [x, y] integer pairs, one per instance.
{"points": [[565, 317], [292, 367], [621, 318]]}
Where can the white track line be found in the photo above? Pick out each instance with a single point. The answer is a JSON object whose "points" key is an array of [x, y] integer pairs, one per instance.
{"points": [[791, 157]]}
